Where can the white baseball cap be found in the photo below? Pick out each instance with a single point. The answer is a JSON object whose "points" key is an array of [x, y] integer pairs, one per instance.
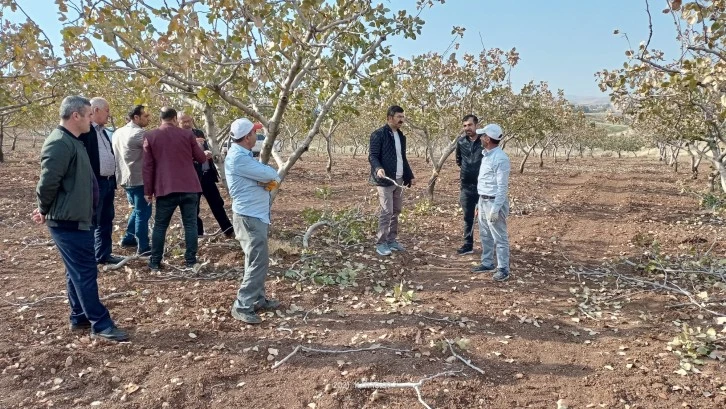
{"points": [[241, 127], [493, 131]]}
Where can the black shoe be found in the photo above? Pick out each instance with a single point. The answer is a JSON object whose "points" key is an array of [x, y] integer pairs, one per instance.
{"points": [[111, 260], [154, 266], [190, 264], [267, 304], [81, 326], [249, 317], [112, 333], [128, 244], [481, 268], [144, 253], [465, 249], [230, 235]]}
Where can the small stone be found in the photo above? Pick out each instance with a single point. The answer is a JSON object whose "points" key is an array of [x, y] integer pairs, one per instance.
{"points": [[69, 361], [96, 403], [519, 376], [149, 351], [192, 335], [57, 381], [115, 379]]}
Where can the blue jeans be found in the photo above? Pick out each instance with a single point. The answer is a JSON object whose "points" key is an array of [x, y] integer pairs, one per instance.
{"points": [[165, 206], [103, 218], [494, 235], [468, 198], [137, 229], [252, 235], [76, 249]]}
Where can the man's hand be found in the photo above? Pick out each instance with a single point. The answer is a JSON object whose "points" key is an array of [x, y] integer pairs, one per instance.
{"points": [[381, 173], [149, 198], [208, 154], [269, 186], [493, 216], [37, 217]]}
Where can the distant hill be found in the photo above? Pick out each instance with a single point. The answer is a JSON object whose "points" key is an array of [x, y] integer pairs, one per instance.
{"points": [[588, 100]]}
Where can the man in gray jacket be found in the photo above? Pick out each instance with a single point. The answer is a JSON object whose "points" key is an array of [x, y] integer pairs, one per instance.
{"points": [[128, 149], [66, 193]]}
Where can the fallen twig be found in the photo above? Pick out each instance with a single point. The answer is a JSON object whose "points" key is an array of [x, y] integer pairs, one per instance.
{"points": [[305, 318], [332, 351], [415, 385], [54, 297], [309, 232], [467, 362], [123, 262]]}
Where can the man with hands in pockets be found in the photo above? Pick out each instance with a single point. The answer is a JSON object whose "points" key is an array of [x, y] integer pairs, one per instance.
{"points": [[493, 186], [250, 183]]}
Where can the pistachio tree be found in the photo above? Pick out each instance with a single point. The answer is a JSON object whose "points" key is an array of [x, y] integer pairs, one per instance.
{"points": [[254, 58], [684, 98]]}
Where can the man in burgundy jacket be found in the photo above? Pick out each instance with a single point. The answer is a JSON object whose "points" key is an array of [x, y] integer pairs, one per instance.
{"points": [[170, 177]]}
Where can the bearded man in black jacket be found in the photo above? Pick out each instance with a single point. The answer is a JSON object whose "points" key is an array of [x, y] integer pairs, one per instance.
{"points": [[468, 158], [387, 156]]}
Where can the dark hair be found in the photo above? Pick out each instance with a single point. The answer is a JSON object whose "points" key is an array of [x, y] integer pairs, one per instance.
{"points": [[472, 117], [168, 114], [136, 111], [393, 110]]}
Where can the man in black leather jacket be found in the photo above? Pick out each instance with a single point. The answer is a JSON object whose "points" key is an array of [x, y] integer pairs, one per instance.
{"points": [[387, 156], [468, 158]]}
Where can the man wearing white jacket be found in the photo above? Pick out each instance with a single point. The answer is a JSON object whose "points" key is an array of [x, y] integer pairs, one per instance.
{"points": [[493, 204]]}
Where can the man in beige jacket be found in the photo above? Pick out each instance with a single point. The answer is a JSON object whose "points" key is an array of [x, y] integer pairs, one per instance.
{"points": [[128, 148]]}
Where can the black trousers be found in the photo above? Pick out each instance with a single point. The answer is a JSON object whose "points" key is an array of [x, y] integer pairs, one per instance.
{"points": [[468, 198], [215, 202]]}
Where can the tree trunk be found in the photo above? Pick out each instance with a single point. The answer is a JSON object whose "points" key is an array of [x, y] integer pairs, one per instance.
{"points": [[620, 154], [438, 165], [329, 166], [541, 159], [15, 139], [524, 159], [2, 138]]}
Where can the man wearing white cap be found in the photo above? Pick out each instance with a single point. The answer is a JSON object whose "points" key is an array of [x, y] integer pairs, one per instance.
{"points": [[493, 204], [250, 183]]}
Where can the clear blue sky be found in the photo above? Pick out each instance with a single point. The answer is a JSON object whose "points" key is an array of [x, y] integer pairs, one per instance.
{"points": [[563, 42]]}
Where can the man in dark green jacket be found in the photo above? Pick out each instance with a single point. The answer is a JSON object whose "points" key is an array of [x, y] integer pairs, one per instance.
{"points": [[65, 194]]}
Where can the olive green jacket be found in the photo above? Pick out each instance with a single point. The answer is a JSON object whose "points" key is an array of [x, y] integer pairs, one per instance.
{"points": [[65, 188]]}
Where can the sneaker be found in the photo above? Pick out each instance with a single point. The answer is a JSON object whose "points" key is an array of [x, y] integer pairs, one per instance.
{"points": [[111, 260], [154, 266], [112, 333], [132, 244], [249, 317], [230, 234], [80, 326], [501, 275], [465, 249], [481, 268], [267, 304], [144, 253], [190, 264], [383, 249], [396, 246]]}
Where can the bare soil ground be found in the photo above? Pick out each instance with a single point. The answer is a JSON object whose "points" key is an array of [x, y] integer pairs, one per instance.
{"points": [[545, 335]]}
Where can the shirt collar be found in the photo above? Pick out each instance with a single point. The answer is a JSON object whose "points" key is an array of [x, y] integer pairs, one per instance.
{"points": [[487, 152], [244, 150]]}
